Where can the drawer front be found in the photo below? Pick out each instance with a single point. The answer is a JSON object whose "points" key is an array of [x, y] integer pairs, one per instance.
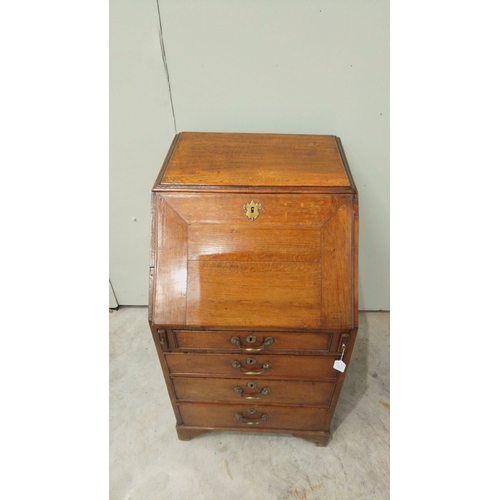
{"points": [[254, 366], [234, 390], [248, 341], [261, 416]]}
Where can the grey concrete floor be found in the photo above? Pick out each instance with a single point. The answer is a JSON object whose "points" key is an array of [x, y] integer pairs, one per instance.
{"points": [[148, 462]]}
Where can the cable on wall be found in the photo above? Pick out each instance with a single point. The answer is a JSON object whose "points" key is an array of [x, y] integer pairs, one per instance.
{"points": [[162, 45]]}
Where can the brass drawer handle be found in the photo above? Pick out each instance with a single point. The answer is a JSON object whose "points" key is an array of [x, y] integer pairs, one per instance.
{"points": [[237, 366], [248, 421], [251, 339], [252, 385]]}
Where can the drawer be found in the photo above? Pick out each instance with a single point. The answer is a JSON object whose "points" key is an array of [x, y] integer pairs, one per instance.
{"points": [[266, 366], [243, 416], [237, 390], [248, 341]]}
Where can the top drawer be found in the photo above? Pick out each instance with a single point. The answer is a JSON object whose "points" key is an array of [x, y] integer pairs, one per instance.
{"points": [[248, 342]]}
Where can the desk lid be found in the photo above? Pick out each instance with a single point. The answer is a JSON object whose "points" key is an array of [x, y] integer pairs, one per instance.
{"points": [[244, 160]]}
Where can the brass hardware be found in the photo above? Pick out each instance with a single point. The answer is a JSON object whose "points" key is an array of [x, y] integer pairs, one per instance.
{"points": [[343, 343], [343, 350], [252, 385], [252, 210], [251, 339], [161, 336], [237, 366], [245, 420], [267, 341]]}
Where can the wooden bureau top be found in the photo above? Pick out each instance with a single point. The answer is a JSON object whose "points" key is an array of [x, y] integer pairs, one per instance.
{"points": [[198, 159]]}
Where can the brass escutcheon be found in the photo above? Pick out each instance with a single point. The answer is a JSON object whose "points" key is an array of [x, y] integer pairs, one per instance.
{"points": [[252, 210]]}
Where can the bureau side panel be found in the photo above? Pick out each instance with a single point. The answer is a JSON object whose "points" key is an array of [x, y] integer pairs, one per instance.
{"points": [[341, 378], [152, 257], [170, 273], [355, 258], [338, 269]]}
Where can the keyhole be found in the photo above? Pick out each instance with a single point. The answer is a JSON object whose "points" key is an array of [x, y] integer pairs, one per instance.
{"points": [[251, 361], [251, 385], [251, 339], [252, 209]]}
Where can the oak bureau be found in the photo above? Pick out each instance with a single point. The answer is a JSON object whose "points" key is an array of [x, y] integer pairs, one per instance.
{"points": [[253, 281]]}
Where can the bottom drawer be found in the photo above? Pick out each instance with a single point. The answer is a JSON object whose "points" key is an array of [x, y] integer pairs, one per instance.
{"points": [[262, 416]]}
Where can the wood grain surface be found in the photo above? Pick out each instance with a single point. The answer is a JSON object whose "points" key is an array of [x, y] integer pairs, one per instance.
{"points": [[218, 159], [290, 392], [220, 415], [292, 267], [223, 280], [297, 367], [317, 342]]}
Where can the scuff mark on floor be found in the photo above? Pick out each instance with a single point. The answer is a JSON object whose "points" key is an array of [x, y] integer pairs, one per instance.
{"points": [[384, 404], [301, 494], [226, 468]]}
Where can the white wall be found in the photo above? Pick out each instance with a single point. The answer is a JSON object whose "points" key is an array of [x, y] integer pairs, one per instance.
{"points": [[304, 66], [141, 129]]}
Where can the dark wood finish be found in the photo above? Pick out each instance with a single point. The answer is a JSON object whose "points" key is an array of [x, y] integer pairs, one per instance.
{"points": [[287, 392], [319, 438], [289, 274], [280, 417], [185, 433]]}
